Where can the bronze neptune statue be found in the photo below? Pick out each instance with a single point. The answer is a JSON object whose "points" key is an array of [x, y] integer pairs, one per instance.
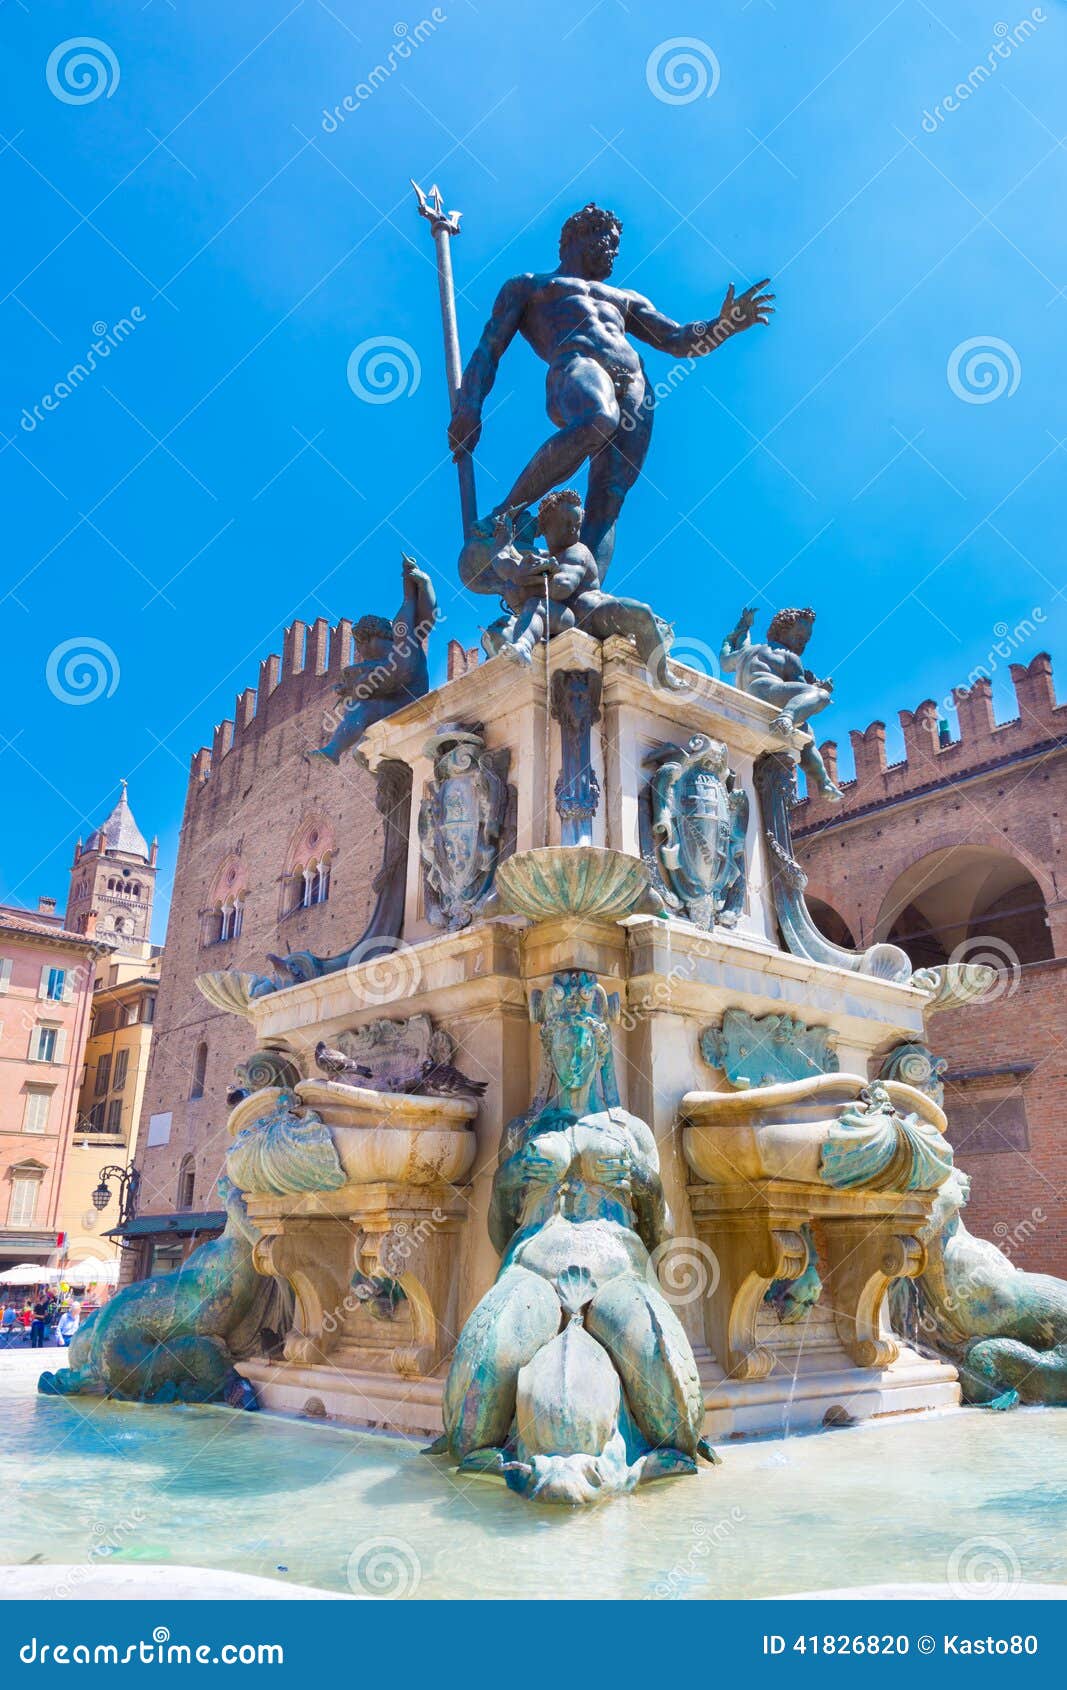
{"points": [[597, 393]]}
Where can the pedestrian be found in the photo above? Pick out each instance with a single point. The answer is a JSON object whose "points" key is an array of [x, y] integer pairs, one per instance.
{"points": [[42, 1314], [10, 1317], [25, 1317], [68, 1325]]}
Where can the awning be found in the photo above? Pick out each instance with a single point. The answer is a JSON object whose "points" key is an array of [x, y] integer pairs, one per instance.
{"points": [[23, 1245], [177, 1226]]}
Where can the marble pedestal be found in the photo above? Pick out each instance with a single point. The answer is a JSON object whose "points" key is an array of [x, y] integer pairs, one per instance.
{"points": [[674, 981]]}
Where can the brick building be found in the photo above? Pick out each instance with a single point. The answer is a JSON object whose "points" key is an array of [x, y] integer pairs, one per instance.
{"points": [[277, 854], [955, 852]]}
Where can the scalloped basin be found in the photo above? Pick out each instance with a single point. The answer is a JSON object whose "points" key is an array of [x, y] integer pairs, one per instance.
{"points": [[383, 1135], [582, 880], [778, 1132]]}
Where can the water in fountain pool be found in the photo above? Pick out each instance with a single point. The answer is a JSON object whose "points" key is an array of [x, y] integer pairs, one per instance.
{"points": [[94, 1482]]}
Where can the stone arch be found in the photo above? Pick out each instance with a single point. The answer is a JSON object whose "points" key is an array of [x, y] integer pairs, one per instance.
{"points": [[968, 899], [830, 922]]}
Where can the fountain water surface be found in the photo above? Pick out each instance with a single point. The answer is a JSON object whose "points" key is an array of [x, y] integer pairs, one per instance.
{"points": [[952, 1500]]}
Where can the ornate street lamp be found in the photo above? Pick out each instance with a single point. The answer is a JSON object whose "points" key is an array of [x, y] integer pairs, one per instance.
{"points": [[128, 1181]]}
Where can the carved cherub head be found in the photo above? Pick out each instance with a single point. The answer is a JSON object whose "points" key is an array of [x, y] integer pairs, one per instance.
{"points": [[374, 638], [589, 243], [559, 518], [791, 628]]}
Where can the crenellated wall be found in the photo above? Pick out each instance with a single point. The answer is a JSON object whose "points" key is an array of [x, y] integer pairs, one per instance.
{"points": [[959, 850], [251, 795]]}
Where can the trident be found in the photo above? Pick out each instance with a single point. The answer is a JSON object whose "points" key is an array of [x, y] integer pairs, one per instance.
{"points": [[445, 224]]}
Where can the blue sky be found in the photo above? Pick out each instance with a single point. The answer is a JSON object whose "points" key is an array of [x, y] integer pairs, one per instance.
{"points": [[216, 475]]}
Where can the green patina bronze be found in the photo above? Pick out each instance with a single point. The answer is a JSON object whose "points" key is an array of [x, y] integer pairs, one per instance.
{"points": [[1005, 1329], [916, 1065], [768, 1050], [872, 1147], [573, 1376], [287, 1150], [175, 1337]]}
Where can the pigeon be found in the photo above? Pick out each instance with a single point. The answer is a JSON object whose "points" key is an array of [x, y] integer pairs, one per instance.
{"points": [[432, 1079], [439, 1079], [337, 1066]]}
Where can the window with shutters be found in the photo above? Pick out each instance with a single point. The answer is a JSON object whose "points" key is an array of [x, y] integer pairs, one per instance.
{"points": [[22, 1205], [35, 1115], [114, 1115], [122, 1063], [54, 984], [103, 1076], [5, 973], [46, 1043]]}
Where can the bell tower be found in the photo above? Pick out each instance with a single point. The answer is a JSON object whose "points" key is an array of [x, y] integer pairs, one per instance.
{"points": [[112, 882]]}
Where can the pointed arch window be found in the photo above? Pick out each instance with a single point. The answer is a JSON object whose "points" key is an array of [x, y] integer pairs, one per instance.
{"points": [[196, 1090], [186, 1182]]}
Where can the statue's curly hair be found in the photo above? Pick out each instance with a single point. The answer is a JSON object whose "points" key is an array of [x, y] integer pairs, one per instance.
{"points": [[559, 497], [591, 220], [786, 619], [372, 627]]}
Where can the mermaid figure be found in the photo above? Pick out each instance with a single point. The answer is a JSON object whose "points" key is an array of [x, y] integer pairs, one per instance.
{"points": [[573, 1376], [1005, 1329], [175, 1337]]}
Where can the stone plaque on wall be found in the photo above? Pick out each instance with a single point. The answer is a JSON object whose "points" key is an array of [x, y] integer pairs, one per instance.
{"points": [[995, 1121]]}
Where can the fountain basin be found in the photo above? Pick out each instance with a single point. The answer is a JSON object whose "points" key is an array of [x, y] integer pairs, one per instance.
{"points": [[136, 1490], [382, 1136], [780, 1132]]}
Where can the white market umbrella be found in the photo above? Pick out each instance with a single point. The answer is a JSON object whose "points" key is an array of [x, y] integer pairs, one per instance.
{"points": [[29, 1273], [91, 1273]]}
